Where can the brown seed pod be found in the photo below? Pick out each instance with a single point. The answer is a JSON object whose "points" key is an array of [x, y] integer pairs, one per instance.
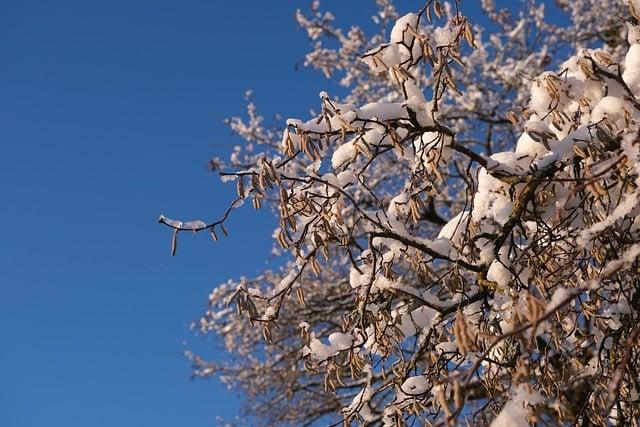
{"points": [[174, 242], [240, 188]]}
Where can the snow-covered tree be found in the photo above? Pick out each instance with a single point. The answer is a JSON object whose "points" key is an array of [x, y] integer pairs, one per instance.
{"points": [[458, 233]]}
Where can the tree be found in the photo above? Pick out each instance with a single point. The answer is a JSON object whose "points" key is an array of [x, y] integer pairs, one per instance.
{"points": [[459, 233]]}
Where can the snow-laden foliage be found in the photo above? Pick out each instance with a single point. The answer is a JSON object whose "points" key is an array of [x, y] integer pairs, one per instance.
{"points": [[459, 233]]}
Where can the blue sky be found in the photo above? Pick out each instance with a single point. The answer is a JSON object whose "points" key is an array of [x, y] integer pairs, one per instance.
{"points": [[108, 114]]}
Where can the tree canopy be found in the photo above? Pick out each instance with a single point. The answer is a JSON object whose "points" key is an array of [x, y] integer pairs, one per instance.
{"points": [[459, 233]]}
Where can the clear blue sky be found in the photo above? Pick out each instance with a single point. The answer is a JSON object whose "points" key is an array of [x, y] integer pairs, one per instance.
{"points": [[108, 113]]}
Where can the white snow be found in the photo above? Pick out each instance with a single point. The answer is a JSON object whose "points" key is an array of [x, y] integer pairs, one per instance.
{"points": [[499, 273], [415, 385], [320, 351], [455, 228], [346, 177], [559, 296], [515, 411], [610, 107], [631, 75], [399, 33], [343, 154], [360, 404], [357, 279], [540, 99], [411, 323], [170, 222], [340, 341], [194, 225]]}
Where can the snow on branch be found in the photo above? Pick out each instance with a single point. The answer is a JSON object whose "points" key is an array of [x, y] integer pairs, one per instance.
{"points": [[457, 236]]}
